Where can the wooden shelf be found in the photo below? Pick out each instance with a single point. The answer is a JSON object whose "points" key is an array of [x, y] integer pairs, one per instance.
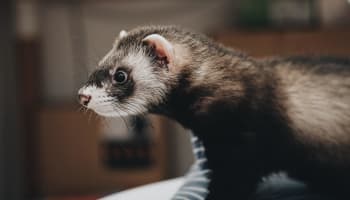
{"points": [[273, 43]]}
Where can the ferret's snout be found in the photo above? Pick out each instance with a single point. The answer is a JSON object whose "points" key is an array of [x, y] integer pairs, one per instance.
{"points": [[84, 99]]}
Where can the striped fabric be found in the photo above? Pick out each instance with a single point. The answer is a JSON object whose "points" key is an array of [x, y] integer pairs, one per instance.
{"points": [[198, 177]]}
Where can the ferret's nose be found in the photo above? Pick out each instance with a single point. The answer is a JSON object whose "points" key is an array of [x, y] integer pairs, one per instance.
{"points": [[84, 99]]}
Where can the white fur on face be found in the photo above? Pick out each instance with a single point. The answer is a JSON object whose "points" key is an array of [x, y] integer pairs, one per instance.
{"points": [[100, 101], [105, 105], [148, 89]]}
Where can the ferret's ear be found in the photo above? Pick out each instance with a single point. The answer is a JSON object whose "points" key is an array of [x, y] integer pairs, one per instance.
{"points": [[122, 34], [163, 48]]}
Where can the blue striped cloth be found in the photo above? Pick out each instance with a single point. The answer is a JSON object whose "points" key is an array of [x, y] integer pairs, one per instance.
{"points": [[197, 179]]}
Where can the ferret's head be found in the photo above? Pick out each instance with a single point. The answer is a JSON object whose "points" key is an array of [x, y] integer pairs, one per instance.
{"points": [[136, 74]]}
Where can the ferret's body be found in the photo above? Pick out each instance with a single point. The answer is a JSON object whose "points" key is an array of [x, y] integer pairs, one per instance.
{"points": [[254, 116], [293, 115]]}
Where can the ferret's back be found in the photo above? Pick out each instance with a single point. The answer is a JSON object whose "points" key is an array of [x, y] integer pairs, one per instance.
{"points": [[317, 95]]}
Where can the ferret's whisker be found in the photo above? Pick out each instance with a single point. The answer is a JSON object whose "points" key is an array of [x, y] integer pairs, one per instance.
{"points": [[116, 110], [82, 108], [79, 109], [105, 122], [96, 117], [89, 118], [136, 110]]}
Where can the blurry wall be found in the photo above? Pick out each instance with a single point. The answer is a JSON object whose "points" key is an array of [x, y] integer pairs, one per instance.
{"points": [[334, 13], [76, 36]]}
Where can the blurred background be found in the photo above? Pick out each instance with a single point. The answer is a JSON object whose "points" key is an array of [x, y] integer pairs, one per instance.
{"points": [[50, 149]]}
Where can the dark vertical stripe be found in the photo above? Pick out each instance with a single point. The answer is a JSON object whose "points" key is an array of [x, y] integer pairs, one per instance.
{"points": [[10, 153]]}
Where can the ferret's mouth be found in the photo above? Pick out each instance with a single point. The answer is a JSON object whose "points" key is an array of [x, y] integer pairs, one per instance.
{"points": [[105, 111], [109, 111], [106, 107], [102, 103], [98, 100]]}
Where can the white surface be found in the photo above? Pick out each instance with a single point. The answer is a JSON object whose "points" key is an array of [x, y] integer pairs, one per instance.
{"points": [[163, 190]]}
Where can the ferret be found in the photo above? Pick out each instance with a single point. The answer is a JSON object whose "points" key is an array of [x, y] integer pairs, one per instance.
{"points": [[254, 116]]}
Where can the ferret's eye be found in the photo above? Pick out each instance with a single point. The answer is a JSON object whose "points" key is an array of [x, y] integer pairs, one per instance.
{"points": [[120, 77]]}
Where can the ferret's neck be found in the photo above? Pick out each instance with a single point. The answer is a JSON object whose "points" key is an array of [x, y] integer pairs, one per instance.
{"points": [[218, 90]]}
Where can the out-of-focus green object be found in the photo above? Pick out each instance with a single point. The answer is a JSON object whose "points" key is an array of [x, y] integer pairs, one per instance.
{"points": [[253, 13], [277, 13]]}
